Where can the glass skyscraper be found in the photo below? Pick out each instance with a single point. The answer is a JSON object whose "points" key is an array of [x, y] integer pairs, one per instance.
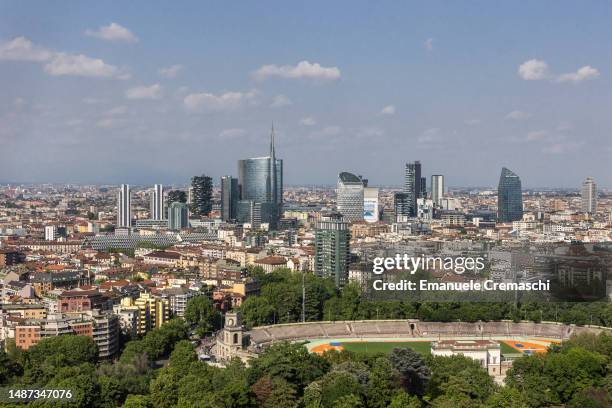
{"points": [[178, 216], [260, 182], [509, 197], [412, 185], [229, 198]]}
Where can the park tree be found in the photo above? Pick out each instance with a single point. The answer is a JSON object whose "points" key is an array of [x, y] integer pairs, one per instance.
{"points": [[291, 362], [201, 313], [414, 373], [257, 311]]}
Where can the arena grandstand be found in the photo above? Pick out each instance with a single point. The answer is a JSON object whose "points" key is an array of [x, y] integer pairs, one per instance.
{"points": [[413, 330]]}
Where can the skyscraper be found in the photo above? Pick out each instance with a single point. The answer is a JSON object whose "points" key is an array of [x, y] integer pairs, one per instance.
{"points": [[349, 197], [229, 198], [332, 249], [260, 183], [401, 205], [589, 196], [201, 196], [509, 197], [124, 207], [178, 216], [412, 185], [157, 202], [423, 187], [437, 189]]}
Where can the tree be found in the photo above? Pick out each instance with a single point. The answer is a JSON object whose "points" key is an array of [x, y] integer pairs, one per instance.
{"points": [[507, 397], [384, 384], [200, 313], [415, 374], [404, 400], [137, 401], [175, 196], [257, 311], [459, 376], [338, 384], [291, 362]]}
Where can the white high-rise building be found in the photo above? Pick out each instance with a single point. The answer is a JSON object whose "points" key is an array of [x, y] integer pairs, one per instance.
{"points": [[157, 202], [589, 196], [124, 207], [50, 233], [349, 197], [437, 189]]}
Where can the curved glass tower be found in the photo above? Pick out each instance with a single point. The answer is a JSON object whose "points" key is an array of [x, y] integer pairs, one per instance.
{"points": [[261, 188], [509, 197]]}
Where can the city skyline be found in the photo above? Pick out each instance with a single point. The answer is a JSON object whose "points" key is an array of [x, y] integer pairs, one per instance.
{"points": [[108, 98]]}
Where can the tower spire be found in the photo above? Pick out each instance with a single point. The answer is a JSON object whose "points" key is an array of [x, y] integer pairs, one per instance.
{"points": [[272, 150]]}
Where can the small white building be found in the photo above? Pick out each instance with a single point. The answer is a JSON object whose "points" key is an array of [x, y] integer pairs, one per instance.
{"points": [[486, 352]]}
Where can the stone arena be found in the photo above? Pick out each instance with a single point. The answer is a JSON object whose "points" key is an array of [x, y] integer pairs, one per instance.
{"points": [[412, 329]]}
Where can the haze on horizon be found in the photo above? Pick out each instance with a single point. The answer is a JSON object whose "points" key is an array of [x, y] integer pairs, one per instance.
{"points": [[116, 92]]}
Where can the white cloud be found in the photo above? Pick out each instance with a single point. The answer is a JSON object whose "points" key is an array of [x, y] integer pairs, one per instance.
{"points": [[113, 32], [202, 102], [308, 121], [82, 65], [22, 49], [59, 63], [518, 115], [280, 101], [303, 69], [388, 110], [171, 71], [232, 133], [582, 74], [473, 122], [533, 70], [144, 92], [428, 44]]}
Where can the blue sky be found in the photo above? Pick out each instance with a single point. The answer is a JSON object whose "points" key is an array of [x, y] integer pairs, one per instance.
{"points": [[144, 92]]}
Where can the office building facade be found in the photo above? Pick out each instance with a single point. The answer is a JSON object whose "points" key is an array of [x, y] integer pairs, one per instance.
{"points": [[412, 185], [332, 248], [349, 197], [178, 216], [589, 196], [509, 197], [229, 198], [124, 207], [157, 202], [437, 189]]}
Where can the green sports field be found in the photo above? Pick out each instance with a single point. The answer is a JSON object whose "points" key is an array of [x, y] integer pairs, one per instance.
{"points": [[423, 347], [506, 349]]}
